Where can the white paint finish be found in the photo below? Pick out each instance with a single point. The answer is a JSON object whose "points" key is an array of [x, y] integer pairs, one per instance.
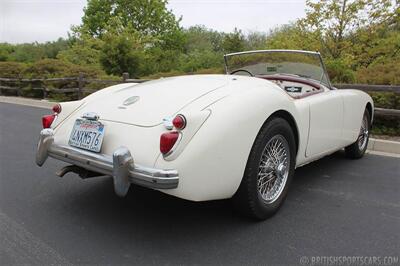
{"points": [[67, 109], [355, 102], [143, 142], [195, 120], [213, 163], [302, 106], [326, 122], [225, 114], [157, 99]]}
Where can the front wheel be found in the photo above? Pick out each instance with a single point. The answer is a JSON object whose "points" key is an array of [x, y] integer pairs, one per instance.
{"points": [[358, 148], [268, 172]]}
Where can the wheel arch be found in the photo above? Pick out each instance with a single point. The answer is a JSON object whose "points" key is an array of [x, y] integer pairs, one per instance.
{"points": [[292, 122], [370, 111]]}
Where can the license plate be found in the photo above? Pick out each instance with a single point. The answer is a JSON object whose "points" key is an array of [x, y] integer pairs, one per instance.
{"points": [[87, 134]]}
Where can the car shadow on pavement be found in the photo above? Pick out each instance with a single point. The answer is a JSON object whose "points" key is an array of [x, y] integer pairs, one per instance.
{"points": [[146, 211]]}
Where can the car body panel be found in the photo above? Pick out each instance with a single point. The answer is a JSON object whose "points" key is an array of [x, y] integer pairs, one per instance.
{"points": [[153, 100], [224, 115], [206, 167], [326, 122]]}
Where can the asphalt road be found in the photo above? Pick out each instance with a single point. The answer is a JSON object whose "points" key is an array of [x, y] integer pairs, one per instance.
{"points": [[335, 207]]}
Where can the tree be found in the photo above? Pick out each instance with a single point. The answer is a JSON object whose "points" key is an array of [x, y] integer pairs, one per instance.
{"points": [[199, 38], [122, 49], [31, 52], [52, 49], [334, 21], [293, 36], [256, 41], [84, 51], [233, 42], [150, 18], [5, 51]]}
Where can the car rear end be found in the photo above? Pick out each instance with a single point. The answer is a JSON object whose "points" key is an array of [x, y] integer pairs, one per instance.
{"points": [[124, 132]]}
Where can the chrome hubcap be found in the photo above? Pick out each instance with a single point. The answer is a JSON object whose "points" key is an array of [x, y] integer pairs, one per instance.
{"points": [[280, 170], [363, 135], [273, 168]]}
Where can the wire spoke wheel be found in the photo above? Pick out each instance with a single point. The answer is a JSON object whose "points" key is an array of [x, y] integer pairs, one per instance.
{"points": [[357, 149], [363, 135], [268, 172], [273, 168]]}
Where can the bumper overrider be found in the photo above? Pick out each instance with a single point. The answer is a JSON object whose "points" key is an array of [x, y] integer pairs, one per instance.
{"points": [[120, 165]]}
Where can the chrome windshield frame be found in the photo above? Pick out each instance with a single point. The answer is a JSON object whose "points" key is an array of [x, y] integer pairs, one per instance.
{"points": [[316, 53]]}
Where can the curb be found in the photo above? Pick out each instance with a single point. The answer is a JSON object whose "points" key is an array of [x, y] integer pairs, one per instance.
{"points": [[382, 145], [374, 145], [27, 101]]}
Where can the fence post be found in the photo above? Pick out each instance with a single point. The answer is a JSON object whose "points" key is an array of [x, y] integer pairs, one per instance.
{"points": [[81, 83], [125, 76], [19, 87], [44, 92]]}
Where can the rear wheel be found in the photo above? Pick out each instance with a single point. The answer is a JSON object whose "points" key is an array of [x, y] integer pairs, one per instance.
{"points": [[269, 170], [358, 148]]}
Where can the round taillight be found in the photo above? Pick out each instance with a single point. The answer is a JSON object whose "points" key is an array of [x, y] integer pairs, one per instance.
{"points": [[57, 108], [179, 122], [167, 141]]}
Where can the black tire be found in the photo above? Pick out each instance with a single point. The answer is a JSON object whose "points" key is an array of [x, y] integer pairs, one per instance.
{"points": [[355, 151], [248, 200]]}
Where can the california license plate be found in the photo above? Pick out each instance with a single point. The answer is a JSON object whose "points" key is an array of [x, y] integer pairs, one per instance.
{"points": [[87, 134]]}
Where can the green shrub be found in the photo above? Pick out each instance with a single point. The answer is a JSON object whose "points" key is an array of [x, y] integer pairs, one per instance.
{"points": [[12, 69], [388, 100], [53, 68], [50, 68], [338, 72], [215, 70], [380, 73], [386, 126], [181, 73], [200, 60]]}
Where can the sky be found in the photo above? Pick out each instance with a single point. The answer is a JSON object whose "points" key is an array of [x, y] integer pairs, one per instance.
{"points": [[46, 20]]}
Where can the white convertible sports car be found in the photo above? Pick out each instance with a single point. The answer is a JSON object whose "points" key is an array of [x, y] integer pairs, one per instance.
{"points": [[208, 137]]}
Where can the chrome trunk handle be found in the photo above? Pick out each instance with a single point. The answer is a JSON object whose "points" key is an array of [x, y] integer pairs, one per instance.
{"points": [[91, 116]]}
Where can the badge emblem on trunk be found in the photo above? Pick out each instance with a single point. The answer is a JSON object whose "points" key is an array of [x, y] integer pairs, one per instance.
{"points": [[131, 100]]}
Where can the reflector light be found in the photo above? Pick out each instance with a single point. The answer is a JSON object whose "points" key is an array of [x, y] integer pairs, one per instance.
{"points": [[179, 122], [167, 141], [47, 120], [57, 108]]}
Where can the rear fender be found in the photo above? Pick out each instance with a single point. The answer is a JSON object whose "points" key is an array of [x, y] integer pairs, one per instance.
{"points": [[355, 103], [212, 165], [67, 109]]}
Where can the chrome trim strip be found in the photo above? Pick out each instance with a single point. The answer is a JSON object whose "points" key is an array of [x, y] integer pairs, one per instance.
{"points": [[277, 50], [120, 166]]}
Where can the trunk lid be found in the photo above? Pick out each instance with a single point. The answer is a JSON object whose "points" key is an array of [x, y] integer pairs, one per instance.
{"points": [[148, 103]]}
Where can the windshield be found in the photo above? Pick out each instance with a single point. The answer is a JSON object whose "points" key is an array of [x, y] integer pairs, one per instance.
{"points": [[272, 62]]}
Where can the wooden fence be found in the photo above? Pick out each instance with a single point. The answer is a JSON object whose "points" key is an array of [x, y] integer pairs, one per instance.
{"points": [[380, 112], [81, 89], [80, 82]]}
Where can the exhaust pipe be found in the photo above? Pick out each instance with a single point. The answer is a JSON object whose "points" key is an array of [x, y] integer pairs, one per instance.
{"points": [[82, 172]]}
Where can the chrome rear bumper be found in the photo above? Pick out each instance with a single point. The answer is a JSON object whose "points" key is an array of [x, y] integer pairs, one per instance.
{"points": [[120, 165]]}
